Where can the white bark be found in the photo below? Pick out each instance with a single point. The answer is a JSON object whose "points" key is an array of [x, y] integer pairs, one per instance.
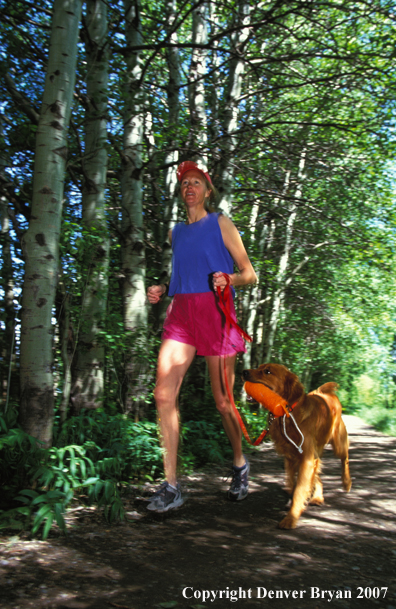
{"points": [[235, 79], [133, 255], [214, 90], [196, 87], [262, 321], [88, 365], [66, 342], [7, 285], [41, 241], [250, 303], [280, 284], [171, 158]]}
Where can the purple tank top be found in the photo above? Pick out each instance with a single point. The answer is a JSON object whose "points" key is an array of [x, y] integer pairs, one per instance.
{"points": [[198, 251]]}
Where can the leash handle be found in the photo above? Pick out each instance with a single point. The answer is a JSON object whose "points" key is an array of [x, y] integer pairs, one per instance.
{"points": [[225, 305]]}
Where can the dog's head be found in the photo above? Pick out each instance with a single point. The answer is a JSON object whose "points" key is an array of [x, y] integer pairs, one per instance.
{"points": [[279, 379]]}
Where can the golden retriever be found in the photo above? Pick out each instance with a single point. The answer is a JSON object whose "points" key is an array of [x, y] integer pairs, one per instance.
{"points": [[318, 416]]}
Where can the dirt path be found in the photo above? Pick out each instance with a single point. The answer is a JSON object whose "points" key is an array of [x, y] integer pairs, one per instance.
{"points": [[343, 553]]}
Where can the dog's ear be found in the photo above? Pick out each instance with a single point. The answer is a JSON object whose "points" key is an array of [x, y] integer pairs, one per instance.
{"points": [[293, 388]]}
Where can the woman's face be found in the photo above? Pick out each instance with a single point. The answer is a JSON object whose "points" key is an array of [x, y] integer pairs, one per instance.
{"points": [[193, 189]]}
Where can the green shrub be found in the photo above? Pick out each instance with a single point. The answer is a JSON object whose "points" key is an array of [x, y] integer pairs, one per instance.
{"points": [[383, 419], [202, 442], [93, 456]]}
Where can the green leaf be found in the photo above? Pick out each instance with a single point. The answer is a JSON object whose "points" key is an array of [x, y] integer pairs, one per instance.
{"points": [[55, 494], [43, 512], [73, 466], [90, 481], [109, 490], [40, 499], [29, 495], [48, 525], [58, 508], [83, 469]]}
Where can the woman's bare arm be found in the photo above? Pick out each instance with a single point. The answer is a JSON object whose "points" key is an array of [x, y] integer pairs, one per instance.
{"points": [[234, 244]]}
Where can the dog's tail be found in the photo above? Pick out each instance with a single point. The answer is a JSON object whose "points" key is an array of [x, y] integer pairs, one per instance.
{"points": [[329, 388]]}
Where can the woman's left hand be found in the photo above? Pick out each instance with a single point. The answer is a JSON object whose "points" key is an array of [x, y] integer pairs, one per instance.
{"points": [[220, 281]]}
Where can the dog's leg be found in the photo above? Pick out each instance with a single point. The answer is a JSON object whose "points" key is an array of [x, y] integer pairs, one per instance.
{"points": [[301, 493], [346, 478], [340, 446], [317, 493], [290, 474]]}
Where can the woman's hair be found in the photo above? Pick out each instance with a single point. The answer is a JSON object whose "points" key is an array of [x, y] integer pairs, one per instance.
{"points": [[211, 203]]}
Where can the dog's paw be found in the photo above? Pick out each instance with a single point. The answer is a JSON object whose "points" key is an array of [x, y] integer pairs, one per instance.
{"points": [[289, 522], [346, 484], [316, 501]]}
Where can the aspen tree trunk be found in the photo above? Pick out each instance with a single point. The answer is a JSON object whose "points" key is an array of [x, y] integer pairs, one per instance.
{"points": [[280, 285], [7, 339], [231, 112], [251, 298], [7, 285], [153, 181], [133, 253], [41, 241], [66, 342], [264, 292], [89, 361], [171, 203], [198, 138], [172, 155], [262, 304], [214, 89]]}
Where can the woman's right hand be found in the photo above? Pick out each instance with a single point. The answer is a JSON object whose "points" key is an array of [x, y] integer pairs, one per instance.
{"points": [[155, 293]]}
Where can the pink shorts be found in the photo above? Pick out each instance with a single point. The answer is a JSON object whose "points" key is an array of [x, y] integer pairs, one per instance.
{"points": [[196, 319]]}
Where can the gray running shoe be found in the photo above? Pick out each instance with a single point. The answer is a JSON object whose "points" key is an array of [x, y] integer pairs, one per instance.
{"points": [[240, 482], [166, 498]]}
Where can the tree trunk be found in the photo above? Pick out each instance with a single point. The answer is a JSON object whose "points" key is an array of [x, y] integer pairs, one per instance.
{"points": [[67, 346], [231, 111], [198, 138], [214, 89], [172, 155], [171, 203], [7, 284], [41, 241], [88, 364], [133, 252], [280, 283], [251, 298]]}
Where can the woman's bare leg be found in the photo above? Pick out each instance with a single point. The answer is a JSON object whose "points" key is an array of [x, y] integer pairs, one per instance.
{"points": [[228, 417], [174, 359]]}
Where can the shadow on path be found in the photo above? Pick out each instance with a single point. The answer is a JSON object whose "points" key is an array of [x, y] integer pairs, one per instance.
{"points": [[343, 553]]}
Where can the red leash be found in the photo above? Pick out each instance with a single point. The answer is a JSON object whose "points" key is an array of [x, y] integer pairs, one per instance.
{"points": [[225, 300], [225, 306]]}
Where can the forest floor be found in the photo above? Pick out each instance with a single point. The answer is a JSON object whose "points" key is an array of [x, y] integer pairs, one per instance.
{"points": [[342, 553]]}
